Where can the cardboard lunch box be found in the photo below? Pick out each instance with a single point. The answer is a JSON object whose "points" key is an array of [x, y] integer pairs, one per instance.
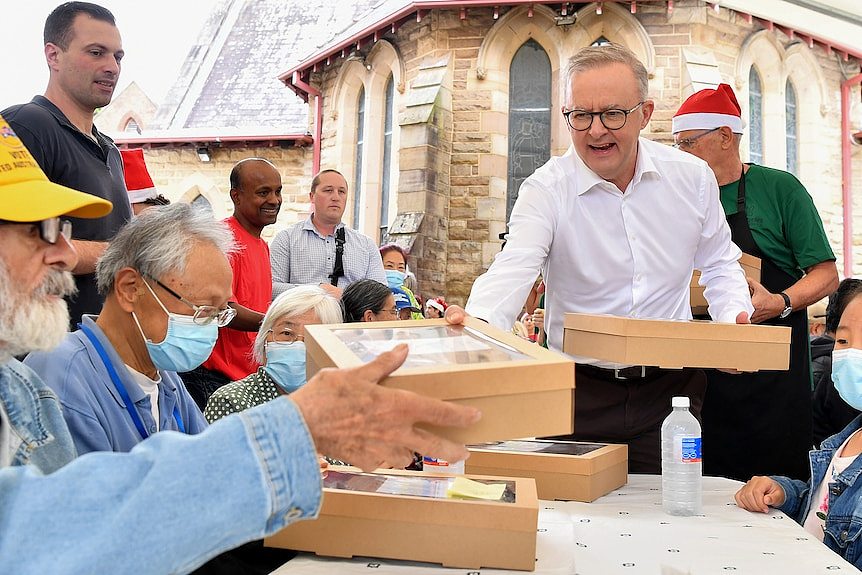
{"points": [[396, 514], [522, 389], [563, 470], [751, 267], [675, 344]]}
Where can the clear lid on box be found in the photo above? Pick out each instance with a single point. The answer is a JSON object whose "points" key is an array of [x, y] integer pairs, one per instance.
{"points": [[431, 345]]}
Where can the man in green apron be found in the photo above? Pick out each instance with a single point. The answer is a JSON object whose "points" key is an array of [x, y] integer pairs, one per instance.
{"points": [[760, 423]]}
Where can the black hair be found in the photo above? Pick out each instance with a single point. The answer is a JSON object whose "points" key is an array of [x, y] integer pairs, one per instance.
{"points": [[847, 290], [58, 25], [363, 295]]}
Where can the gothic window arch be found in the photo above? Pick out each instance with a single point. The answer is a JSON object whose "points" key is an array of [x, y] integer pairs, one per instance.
{"points": [[529, 116], [755, 117]]}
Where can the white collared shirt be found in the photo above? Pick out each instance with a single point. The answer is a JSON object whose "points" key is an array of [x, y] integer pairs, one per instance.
{"points": [[602, 251]]}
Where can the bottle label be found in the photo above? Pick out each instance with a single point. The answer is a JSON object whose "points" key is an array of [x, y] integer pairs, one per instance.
{"points": [[689, 450]]}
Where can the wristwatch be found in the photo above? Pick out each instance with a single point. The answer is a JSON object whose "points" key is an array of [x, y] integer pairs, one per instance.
{"points": [[788, 309]]}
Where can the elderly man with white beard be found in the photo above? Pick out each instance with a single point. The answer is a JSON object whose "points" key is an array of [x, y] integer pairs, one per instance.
{"points": [[96, 513]]}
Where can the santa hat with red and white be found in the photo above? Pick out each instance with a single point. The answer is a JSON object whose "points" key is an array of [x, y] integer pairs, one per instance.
{"points": [[138, 181], [708, 109]]}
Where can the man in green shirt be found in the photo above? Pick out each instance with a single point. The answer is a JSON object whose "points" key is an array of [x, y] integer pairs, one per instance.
{"points": [[760, 423]]}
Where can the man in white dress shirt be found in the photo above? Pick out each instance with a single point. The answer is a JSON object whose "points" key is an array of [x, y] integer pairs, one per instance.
{"points": [[615, 226]]}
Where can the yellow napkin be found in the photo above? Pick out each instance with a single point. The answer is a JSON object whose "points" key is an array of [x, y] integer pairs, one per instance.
{"points": [[463, 488]]}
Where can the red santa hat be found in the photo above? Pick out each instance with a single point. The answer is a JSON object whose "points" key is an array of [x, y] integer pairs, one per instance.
{"points": [[138, 180], [709, 109]]}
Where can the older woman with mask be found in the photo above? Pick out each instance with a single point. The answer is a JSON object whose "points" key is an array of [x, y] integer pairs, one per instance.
{"points": [[280, 348]]}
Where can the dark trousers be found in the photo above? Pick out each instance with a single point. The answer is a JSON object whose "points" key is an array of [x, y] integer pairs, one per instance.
{"points": [[202, 383], [631, 411]]}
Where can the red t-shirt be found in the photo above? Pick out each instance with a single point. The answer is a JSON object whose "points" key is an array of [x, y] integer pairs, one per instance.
{"points": [[252, 288]]}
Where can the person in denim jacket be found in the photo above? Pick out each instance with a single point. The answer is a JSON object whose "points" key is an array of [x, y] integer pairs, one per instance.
{"points": [[97, 513], [829, 505]]}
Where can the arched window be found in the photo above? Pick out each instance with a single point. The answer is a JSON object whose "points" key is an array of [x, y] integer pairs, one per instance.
{"points": [[385, 181], [529, 116], [357, 180], [791, 127], [132, 126], [201, 203], [755, 117], [600, 41]]}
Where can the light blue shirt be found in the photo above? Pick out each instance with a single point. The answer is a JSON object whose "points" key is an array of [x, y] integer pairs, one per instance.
{"points": [[92, 406], [107, 512], [300, 255]]}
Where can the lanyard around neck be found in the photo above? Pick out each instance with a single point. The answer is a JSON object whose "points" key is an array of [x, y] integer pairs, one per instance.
{"points": [[121, 389]]}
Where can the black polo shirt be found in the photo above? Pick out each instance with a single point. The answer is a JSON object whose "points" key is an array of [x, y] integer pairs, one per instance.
{"points": [[70, 158]]}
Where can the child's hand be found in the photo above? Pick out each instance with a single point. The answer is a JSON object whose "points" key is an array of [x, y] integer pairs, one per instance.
{"points": [[759, 494]]}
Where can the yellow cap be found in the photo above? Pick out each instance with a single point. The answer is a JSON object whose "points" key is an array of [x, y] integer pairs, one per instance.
{"points": [[26, 194]]}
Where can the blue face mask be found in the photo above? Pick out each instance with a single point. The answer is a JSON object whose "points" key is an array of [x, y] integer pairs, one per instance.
{"points": [[186, 344], [847, 375], [285, 364], [395, 279]]}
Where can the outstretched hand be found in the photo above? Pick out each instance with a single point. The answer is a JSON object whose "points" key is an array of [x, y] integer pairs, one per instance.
{"points": [[353, 419]]}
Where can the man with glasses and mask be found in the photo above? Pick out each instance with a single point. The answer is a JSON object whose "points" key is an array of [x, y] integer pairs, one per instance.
{"points": [[166, 283], [615, 226], [771, 216]]}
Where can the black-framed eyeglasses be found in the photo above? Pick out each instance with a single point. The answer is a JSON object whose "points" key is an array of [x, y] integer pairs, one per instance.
{"points": [[204, 314], [613, 119], [686, 143], [50, 230]]}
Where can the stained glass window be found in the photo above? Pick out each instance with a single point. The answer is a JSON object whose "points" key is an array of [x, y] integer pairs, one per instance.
{"points": [[791, 127], [755, 117], [387, 158], [529, 116], [357, 180], [201, 203]]}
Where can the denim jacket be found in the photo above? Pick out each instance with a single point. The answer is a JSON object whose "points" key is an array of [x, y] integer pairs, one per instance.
{"points": [[37, 431], [843, 533], [145, 511]]}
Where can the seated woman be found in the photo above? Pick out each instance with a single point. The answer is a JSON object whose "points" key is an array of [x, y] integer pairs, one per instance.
{"points": [[828, 505], [279, 348], [368, 300]]}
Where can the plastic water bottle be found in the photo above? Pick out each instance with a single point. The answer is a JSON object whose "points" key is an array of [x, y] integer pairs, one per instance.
{"points": [[442, 466], [681, 466]]}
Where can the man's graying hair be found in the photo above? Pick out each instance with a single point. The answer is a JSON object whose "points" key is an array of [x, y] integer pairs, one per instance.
{"points": [[159, 241], [593, 57]]}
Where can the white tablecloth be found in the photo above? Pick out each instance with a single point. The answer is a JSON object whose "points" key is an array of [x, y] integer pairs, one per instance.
{"points": [[626, 532]]}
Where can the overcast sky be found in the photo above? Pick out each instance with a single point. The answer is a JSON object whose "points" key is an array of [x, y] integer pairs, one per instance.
{"points": [[157, 35]]}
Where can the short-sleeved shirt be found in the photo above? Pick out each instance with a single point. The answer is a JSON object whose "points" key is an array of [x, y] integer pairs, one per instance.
{"points": [[252, 288], [70, 158], [782, 217]]}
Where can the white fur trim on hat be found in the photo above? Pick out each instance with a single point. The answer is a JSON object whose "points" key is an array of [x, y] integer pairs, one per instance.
{"points": [[138, 196], [706, 121]]}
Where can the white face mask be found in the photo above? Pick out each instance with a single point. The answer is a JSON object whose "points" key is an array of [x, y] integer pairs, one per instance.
{"points": [[285, 364], [847, 375]]}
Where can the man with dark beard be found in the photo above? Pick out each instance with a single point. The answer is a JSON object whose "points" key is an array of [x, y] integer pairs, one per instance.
{"points": [[86, 515]]}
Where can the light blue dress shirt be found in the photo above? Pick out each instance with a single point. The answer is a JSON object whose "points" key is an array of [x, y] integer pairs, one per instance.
{"points": [[300, 255]]}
